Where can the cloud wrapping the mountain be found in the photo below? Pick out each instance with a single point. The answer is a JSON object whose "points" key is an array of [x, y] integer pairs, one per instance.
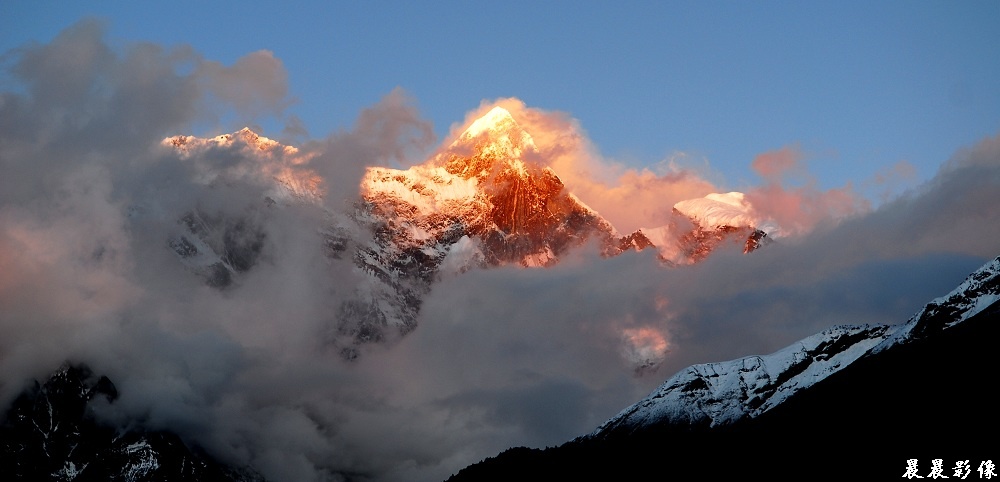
{"points": [[90, 197], [390, 132]]}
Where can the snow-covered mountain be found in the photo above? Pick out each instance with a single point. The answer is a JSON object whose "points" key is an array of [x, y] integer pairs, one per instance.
{"points": [[484, 186], [484, 200], [723, 393], [897, 391]]}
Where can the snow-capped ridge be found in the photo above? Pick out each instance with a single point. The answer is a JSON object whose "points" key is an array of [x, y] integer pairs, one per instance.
{"points": [[265, 160], [245, 135], [721, 393], [719, 209], [497, 119], [715, 394], [979, 291]]}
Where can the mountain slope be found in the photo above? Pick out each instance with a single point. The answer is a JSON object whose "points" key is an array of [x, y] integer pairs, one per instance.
{"points": [[848, 401]]}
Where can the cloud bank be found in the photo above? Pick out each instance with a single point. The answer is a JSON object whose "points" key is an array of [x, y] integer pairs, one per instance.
{"points": [[89, 197]]}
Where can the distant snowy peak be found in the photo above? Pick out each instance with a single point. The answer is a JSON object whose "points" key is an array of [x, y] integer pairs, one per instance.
{"points": [[498, 121], [266, 161], [719, 209], [715, 394], [485, 185], [703, 225], [244, 136]]}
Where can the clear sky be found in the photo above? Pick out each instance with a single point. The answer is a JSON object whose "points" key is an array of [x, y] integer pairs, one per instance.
{"points": [[857, 87]]}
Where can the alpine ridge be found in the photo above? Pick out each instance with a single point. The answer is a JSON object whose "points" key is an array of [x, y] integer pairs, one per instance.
{"points": [[723, 393]]}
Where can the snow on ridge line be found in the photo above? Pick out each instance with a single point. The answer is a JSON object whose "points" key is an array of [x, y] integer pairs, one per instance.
{"points": [[719, 209], [287, 166], [252, 139], [972, 283], [968, 298], [725, 392], [506, 138], [490, 121], [720, 393], [426, 188]]}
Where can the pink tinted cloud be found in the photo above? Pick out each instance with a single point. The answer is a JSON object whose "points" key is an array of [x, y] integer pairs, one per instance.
{"points": [[773, 165], [798, 210]]}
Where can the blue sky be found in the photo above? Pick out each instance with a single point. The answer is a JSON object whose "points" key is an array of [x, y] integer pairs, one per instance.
{"points": [[856, 86]]}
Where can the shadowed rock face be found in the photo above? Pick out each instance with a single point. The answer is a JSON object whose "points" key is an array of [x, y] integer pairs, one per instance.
{"points": [[50, 434], [229, 246]]}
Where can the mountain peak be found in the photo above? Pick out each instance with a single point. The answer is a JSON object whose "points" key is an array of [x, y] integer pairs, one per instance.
{"points": [[495, 135], [719, 209], [497, 119]]}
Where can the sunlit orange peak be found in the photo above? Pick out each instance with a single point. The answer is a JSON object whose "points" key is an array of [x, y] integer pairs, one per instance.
{"points": [[497, 119], [504, 137]]}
